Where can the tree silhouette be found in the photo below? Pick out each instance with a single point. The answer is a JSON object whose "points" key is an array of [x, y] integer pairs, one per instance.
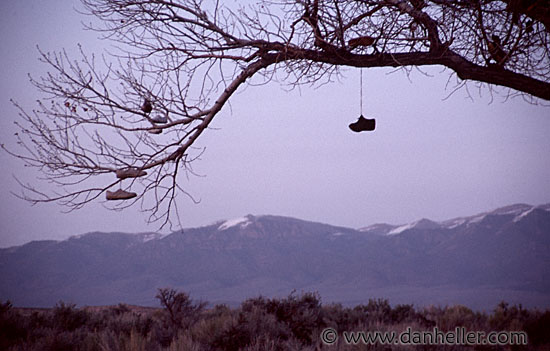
{"points": [[130, 120]]}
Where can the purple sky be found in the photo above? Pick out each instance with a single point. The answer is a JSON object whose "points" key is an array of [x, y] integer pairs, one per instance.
{"points": [[291, 153]]}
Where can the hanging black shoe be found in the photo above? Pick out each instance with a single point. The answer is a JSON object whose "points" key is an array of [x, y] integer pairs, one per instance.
{"points": [[147, 107], [363, 124]]}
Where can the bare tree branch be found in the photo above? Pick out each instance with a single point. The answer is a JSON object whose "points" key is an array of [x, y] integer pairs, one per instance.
{"points": [[128, 122]]}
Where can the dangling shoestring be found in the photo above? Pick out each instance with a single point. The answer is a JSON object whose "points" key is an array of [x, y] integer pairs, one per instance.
{"points": [[361, 91]]}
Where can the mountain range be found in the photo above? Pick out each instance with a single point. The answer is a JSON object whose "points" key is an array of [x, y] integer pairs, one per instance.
{"points": [[476, 261]]}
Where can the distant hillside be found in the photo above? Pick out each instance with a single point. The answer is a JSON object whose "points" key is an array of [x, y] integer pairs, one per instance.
{"points": [[477, 261]]}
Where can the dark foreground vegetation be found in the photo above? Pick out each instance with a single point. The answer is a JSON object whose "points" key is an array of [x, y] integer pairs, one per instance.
{"points": [[259, 324]]}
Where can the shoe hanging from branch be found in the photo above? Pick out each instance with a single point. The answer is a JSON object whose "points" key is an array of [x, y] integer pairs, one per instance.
{"points": [[362, 124], [147, 106], [120, 195], [130, 173]]}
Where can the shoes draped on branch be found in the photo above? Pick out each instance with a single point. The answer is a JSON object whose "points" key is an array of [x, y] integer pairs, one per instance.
{"points": [[130, 173], [123, 174], [120, 195]]}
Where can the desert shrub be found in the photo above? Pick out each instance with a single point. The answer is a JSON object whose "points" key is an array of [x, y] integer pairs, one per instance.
{"points": [[135, 341], [185, 342], [234, 338], [376, 311], [340, 318], [505, 317], [272, 324], [451, 317], [163, 333], [181, 310], [121, 308], [67, 328], [67, 317], [110, 340], [302, 314], [180, 313], [261, 324], [538, 329], [122, 320], [214, 327], [265, 343], [12, 327], [64, 341], [277, 324]]}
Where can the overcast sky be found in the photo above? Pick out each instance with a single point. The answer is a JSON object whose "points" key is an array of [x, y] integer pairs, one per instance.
{"points": [[291, 153]]}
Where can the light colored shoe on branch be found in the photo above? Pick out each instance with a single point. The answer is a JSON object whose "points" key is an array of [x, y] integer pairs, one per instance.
{"points": [[130, 173], [159, 119], [120, 195]]}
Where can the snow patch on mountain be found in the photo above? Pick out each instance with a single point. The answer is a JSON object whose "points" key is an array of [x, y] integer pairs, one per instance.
{"points": [[243, 222], [378, 228], [477, 219], [77, 236], [519, 211], [454, 223], [516, 209], [523, 214], [421, 224], [401, 229], [145, 237]]}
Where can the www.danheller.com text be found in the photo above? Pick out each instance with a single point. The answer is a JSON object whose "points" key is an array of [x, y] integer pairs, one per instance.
{"points": [[458, 336]]}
